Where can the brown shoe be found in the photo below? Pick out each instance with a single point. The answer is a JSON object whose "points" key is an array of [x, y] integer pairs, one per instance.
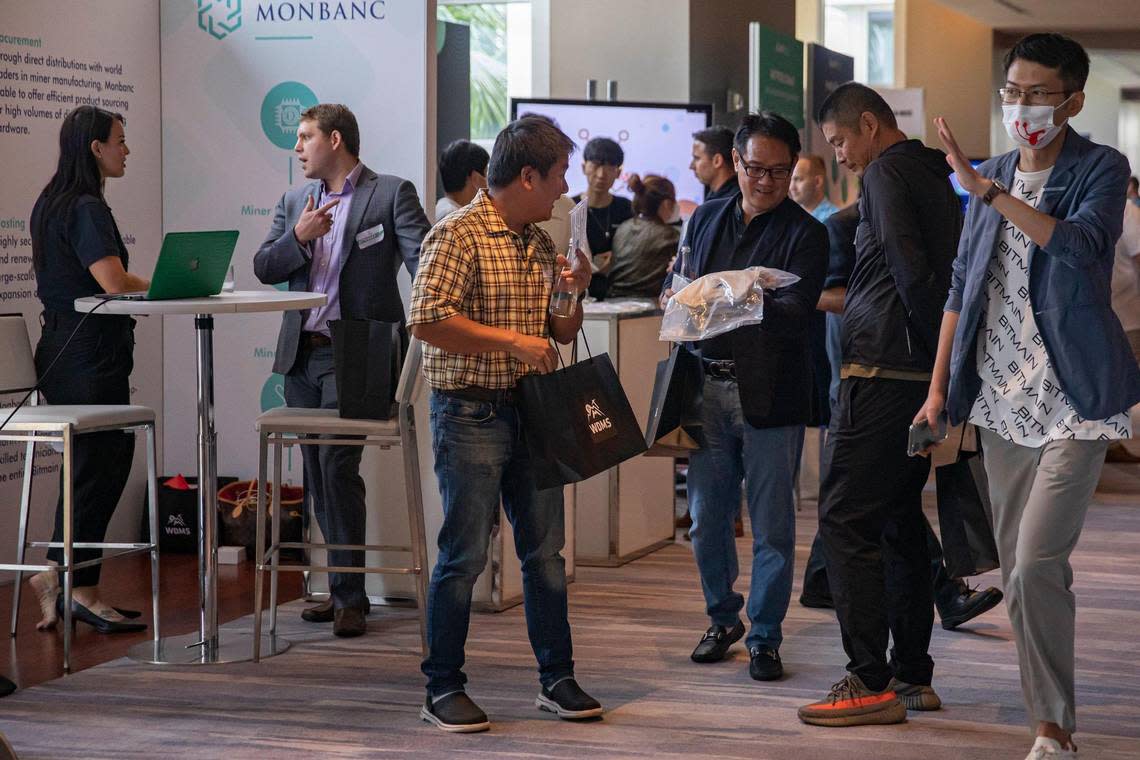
{"points": [[349, 622], [322, 613]]}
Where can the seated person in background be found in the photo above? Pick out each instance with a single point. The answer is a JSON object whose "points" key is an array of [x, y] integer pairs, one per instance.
{"points": [[463, 169], [601, 163], [644, 244]]}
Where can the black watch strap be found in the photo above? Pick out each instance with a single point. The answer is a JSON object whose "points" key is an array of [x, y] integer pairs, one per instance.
{"points": [[996, 188]]}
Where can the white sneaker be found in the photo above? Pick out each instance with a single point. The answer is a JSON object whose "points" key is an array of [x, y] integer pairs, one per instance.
{"points": [[1050, 749]]}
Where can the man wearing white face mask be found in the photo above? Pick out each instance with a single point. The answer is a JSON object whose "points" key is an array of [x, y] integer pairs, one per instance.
{"points": [[1031, 353]]}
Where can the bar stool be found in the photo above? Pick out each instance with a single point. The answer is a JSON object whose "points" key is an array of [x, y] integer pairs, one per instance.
{"points": [[60, 423], [282, 427]]}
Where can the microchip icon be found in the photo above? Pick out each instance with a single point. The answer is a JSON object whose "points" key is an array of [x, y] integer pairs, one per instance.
{"points": [[287, 115]]}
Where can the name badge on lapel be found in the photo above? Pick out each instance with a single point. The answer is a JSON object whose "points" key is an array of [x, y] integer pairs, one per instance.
{"points": [[370, 236]]}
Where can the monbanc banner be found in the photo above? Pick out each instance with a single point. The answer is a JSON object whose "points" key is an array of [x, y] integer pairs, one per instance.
{"points": [[236, 75], [56, 55]]}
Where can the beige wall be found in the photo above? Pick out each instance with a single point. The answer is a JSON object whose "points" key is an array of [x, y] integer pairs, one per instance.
{"points": [[643, 44], [1100, 118], [950, 55]]}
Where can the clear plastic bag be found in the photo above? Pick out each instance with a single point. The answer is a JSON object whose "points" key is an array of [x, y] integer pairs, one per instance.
{"points": [[719, 302]]}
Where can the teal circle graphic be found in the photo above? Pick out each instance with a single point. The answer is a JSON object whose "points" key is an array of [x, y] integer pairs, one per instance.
{"points": [[273, 392], [281, 112]]}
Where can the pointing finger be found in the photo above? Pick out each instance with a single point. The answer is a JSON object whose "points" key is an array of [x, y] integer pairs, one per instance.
{"points": [[323, 209]]}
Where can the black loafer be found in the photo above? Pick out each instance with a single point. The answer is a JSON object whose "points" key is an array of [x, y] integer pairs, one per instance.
{"points": [[322, 613], [764, 664], [455, 712], [966, 605], [568, 701], [817, 602], [81, 614], [6, 687], [716, 641]]}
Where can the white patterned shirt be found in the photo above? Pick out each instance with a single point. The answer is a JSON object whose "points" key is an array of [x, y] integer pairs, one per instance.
{"points": [[1021, 398]]}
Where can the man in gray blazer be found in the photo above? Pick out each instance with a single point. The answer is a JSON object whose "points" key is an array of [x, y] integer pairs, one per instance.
{"points": [[344, 234]]}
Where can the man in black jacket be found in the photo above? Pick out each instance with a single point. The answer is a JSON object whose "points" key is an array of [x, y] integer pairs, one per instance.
{"points": [[870, 504], [757, 394]]}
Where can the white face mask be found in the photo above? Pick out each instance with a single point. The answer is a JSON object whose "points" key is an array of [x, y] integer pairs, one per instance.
{"points": [[1032, 126]]}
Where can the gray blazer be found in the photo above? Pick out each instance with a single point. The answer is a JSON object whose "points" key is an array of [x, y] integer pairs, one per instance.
{"points": [[368, 287]]}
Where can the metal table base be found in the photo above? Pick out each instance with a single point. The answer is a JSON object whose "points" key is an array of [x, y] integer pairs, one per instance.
{"points": [[188, 649]]}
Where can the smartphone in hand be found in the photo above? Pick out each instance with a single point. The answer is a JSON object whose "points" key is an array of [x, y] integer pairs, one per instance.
{"points": [[921, 437]]}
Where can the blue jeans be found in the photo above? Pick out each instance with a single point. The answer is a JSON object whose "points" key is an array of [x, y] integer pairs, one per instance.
{"points": [[765, 460], [480, 456]]}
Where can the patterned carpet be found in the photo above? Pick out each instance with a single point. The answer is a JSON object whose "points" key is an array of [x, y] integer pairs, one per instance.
{"points": [[634, 627]]}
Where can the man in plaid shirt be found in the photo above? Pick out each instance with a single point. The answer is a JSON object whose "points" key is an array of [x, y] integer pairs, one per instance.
{"points": [[479, 303]]}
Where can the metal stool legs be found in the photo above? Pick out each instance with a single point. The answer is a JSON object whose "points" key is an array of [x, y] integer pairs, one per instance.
{"points": [[21, 548]]}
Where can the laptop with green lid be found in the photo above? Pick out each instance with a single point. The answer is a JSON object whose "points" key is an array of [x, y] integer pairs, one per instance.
{"points": [[190, 265]]}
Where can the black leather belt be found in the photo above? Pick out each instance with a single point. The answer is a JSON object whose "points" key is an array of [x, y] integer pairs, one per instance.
{"points": [[721, 369], [478, 393], [315, 340]]}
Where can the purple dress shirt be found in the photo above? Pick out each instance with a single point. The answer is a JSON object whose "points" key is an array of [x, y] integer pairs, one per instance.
{"points": [[328, 255]]}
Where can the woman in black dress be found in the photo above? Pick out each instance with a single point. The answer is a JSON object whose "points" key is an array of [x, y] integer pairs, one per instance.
{"points": [[77, 252]]}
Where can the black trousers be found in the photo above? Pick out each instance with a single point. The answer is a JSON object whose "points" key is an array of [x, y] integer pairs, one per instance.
{"points": [[873, 531], [816, 585], [94, 369]]}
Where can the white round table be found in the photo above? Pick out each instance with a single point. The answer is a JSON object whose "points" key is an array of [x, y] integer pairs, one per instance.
{"points": [[205, 646]]}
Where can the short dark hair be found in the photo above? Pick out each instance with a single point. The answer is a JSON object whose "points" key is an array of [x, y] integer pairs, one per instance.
{"points": [[851, 100], [717, 140], [603, 150], [332, 117], [1056, 51], [1133, 182], [767, 124], [458, 160], [527, 141]]}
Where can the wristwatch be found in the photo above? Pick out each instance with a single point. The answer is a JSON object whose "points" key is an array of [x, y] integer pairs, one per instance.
{"points": [[996, 188]]}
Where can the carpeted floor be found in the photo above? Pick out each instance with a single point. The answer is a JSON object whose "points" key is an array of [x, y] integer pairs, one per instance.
{"points": [[634, 627]]}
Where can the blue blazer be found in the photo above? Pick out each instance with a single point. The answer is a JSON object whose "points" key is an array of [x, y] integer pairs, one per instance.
{"points": [[1069, 282]]}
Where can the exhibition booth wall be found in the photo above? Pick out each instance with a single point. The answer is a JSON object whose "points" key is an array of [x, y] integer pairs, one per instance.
{"points": [[211, 93]]}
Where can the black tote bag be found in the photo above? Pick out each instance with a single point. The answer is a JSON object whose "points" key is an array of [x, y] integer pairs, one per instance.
{"points": [[367, 358], [674, 422], [577, 422], [965, 517]]}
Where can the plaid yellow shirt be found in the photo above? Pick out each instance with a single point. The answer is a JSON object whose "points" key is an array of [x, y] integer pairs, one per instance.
{"points": [[473, 265]]}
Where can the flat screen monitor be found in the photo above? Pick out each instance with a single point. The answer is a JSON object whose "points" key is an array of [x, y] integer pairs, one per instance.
{"points": [[657, 138], [974, 162]]}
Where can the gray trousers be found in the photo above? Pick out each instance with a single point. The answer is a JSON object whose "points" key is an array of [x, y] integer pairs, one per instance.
{"points": [[1040, 498]]}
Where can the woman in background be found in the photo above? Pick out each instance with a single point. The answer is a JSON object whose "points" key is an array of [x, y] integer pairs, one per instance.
{"points": [[644, 245], [77, 252]]}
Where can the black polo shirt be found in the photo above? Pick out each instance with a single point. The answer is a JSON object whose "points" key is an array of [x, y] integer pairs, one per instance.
{"points": [[71, 243], [734, 248]]}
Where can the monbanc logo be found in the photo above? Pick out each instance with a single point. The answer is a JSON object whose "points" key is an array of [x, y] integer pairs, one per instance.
{"points": [[321, 10], [220, 18]]}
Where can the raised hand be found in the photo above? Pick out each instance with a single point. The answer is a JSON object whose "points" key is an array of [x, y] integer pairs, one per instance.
{"points": [[314, 222], [967, 176]]}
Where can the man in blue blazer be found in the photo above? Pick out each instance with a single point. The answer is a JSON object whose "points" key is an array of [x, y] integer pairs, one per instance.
{"points": [[1031, 352], [344, 234], [757, 394]]}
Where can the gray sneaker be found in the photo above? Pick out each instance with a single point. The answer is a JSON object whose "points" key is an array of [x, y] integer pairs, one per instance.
{"points": [[455, 712], [915, 696]]}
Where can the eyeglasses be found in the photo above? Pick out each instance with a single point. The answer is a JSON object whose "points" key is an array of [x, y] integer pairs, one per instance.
{"points": [[756, 171], [1037, 96]]}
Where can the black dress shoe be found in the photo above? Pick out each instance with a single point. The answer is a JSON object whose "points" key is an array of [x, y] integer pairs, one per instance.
{"points": [[965, 604], [817, 602], [6, 687], [323, 612], [349, 622], [568, 701], [455, 712], [764, 664], [128, 614], [716, 641], [102, 625]]}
